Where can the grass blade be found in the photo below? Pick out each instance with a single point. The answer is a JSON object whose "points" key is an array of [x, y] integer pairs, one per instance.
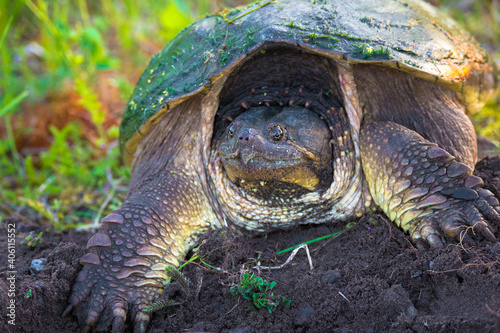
{"points": [[13, 103], [335, 234]]}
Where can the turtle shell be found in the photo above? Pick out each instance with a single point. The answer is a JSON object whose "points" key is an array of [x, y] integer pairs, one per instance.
{"points": [[411, 36]]}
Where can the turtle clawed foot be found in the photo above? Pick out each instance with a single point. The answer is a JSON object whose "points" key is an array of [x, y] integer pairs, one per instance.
{"points": [[99, 304], [99, 320], [460, 219]]}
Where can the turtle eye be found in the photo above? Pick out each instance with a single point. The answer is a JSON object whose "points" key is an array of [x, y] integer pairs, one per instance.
{"points": [[276, 133], [231, 131]]}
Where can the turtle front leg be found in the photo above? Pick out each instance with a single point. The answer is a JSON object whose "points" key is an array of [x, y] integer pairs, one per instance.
{"points": [[422, 188], [124, 271]]}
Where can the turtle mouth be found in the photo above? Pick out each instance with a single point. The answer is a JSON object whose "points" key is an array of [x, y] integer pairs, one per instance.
{"points": [[249, 164], [254, 168], [252, 158]]}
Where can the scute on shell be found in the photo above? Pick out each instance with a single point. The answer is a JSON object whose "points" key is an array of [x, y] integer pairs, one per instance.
{"points": [[411, 36]]}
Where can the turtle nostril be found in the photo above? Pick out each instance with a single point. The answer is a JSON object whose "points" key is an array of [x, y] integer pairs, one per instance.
{"points": [[245, 136]]}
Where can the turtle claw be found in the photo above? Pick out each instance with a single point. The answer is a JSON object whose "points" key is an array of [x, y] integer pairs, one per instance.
{"points": [[119, 318], [435, 242], [489, 235], [69, 308], [458, 220], [425, 233], [141, 321]]}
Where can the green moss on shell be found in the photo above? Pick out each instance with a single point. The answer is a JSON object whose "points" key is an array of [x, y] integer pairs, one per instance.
{"points": [[370, 30]]}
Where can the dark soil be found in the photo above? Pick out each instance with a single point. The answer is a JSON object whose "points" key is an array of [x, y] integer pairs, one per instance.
{"points": [[369, 279]]}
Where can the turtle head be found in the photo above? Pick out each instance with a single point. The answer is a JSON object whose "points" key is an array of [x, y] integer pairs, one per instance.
{"points": [[266, 145]]}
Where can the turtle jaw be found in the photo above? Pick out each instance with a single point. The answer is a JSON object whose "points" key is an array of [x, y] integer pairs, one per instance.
{"points": [[256, 168]]}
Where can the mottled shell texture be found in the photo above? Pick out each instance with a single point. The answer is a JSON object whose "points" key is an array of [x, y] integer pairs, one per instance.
{"points": [[409, 35]]}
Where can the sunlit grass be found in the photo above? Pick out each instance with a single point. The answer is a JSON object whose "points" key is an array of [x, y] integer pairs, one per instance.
{"points": [[84, 55], [482, 19]]}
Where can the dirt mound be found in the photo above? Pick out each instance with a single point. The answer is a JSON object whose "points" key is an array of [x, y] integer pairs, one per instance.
{"points": [[368, 279]]}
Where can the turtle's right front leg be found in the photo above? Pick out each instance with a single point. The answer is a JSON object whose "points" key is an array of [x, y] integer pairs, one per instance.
{"points": [[124, 271]]}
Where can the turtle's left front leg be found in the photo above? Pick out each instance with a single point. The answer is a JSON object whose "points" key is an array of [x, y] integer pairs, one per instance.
{"points": [[422, 188]]}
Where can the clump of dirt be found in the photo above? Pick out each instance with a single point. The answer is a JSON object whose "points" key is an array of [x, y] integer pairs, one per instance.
{"points": [[369, 279]]}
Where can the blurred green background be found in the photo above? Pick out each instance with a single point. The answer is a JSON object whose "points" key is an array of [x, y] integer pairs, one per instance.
{"points": [[67, 68]]}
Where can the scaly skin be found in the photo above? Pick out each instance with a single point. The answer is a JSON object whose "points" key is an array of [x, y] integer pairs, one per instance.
{"points": [[422, 188], [124, 271], [179, 187]]}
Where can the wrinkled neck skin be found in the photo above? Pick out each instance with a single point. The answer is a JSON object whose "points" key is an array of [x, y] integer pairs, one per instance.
{"points": [[283, 78]]}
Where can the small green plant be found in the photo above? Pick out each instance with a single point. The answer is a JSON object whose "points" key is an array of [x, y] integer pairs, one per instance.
{"points": [[367, 51], [197, 256], [177, 275], [258, 291], [160, 305], [33, 241], [184, 283], [29, 293]]}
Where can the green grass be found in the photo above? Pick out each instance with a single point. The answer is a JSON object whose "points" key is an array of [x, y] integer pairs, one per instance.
{"points": [[60, 50], [81, 59], [335, 234], [482, 19]]}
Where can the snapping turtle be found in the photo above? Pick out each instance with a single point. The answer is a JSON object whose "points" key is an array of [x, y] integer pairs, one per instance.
{"points": [[286, 113]]}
